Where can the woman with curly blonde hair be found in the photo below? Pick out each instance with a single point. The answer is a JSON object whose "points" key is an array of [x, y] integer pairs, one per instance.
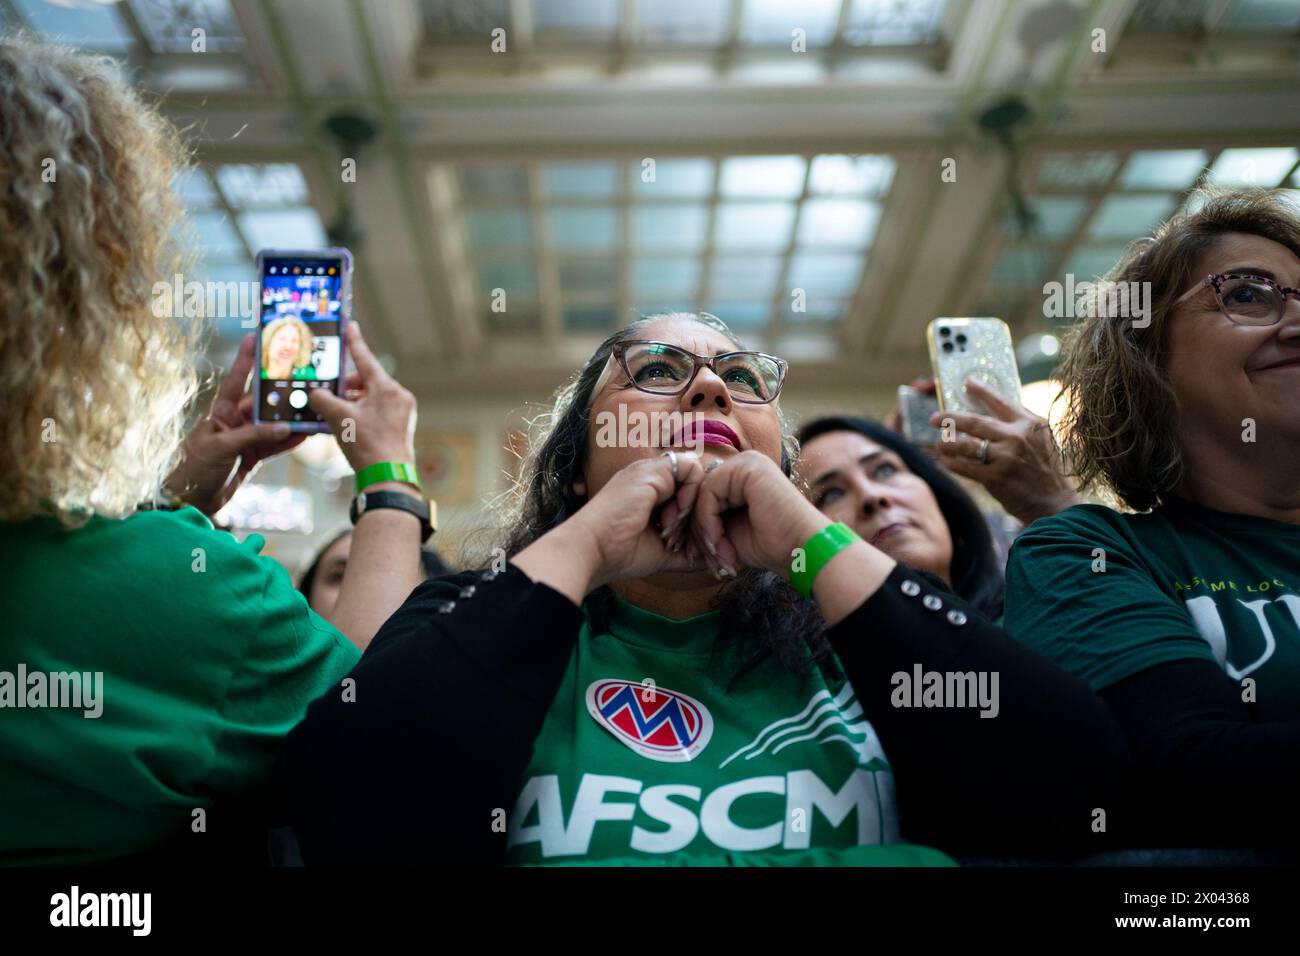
{"points": [[150, 664], [1184, 613]]}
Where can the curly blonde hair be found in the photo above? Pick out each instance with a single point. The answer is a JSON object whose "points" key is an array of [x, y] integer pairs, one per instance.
{"points": [[1120, 429], [306, 341], [95, 386]]}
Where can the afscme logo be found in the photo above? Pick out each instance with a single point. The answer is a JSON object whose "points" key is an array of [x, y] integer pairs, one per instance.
{"points": [[810, 805], [656, 722]]}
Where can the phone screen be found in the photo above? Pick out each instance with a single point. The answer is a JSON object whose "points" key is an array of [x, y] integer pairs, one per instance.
{"points": [[300, 334]]}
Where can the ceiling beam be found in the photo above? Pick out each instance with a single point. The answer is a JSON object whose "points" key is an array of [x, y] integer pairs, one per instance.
{"points": [[453, 333]]}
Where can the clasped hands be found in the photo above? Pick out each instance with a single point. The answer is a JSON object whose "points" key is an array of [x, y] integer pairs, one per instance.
{"points": [[720, 514]]}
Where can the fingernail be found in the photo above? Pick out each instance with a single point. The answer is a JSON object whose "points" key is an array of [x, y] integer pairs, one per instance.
{"points": [[676, 524], [712, 548], [727, 571], [281, 430]]}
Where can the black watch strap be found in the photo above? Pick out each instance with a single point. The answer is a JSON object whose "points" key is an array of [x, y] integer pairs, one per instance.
{"points": [[372, 500]]}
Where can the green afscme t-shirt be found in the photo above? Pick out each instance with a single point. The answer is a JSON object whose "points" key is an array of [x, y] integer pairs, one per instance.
{"points": [[1107, 595], [650, 755], [192, 654]]}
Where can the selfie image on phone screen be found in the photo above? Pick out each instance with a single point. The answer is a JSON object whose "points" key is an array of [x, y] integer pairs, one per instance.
{"points": [[300, 344]]}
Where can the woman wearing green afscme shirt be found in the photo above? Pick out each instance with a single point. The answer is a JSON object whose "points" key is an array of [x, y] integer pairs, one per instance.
{"points": [[1186, 615], [683, 661], [149, 664]]}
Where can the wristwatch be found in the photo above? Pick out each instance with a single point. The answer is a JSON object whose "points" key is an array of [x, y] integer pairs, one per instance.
{"points": [[423, 508]]}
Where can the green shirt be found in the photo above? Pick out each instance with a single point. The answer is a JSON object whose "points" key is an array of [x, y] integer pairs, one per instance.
{"points": [[649, 755], [1107, 595], [208, 657], [298, 373]]}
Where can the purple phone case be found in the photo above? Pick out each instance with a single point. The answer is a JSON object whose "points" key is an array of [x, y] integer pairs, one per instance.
{"points": [[345, 316]]}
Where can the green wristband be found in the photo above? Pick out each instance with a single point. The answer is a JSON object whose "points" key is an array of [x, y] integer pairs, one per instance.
{"points": [[817, 553], [387, 471]]}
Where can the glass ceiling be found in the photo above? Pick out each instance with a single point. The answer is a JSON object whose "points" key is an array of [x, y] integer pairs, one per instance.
{"points": [[1201, 17], [146, 31], [597, 241], [1089, 206], [235, 210], [663, 30]]}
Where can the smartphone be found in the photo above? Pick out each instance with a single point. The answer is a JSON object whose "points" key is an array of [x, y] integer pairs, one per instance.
{"points": [[304, 301], [915, 408], [972, 348]]}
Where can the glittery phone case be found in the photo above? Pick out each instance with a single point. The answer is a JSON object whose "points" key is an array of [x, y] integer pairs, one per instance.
{"points": [[972, 348]]}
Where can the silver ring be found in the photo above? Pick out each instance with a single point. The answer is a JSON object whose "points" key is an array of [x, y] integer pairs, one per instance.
{"points": [[982, 453], [672, 462]]}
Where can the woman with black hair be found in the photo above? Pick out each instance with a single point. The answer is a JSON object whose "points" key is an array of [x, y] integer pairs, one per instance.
{"points": [[676, 658], [321, 582], [896, 498]]}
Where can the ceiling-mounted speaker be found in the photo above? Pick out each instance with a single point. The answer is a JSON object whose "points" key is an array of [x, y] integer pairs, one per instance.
{"points": [[1003, 117], [1001, 120], [352, 132]]}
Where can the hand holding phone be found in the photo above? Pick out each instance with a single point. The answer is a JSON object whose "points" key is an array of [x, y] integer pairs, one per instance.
{"points": [[225, 446], [380, 424], [1012, 453]]}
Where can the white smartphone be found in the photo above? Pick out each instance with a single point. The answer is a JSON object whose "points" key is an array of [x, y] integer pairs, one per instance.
{"points": [[978, 348], [304, 301]]}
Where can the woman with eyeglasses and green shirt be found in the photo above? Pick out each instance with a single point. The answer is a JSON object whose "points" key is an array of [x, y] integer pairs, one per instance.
{"points": [[676, 658], [1183, 613]]}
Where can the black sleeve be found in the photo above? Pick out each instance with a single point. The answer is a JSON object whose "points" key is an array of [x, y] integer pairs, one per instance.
{"points": [[1026, 781], [1209, 768], [424, 763]]}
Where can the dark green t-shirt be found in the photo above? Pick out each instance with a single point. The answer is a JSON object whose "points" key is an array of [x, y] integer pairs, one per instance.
{"points": [[651, 755], [1107, 595], [208, 657]]}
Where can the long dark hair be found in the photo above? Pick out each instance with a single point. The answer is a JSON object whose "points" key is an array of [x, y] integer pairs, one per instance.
{"points": [[976, 570], [760, 612]]}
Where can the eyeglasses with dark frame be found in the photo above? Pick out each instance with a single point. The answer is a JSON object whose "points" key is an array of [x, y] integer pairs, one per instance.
{"points": [[1267, 298], [760, 381]]}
